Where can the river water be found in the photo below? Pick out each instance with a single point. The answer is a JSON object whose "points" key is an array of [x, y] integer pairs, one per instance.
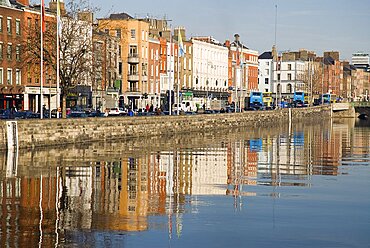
{"points": [[297, 186]]}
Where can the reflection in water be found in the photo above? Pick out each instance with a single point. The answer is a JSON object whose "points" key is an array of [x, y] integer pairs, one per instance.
{"points": [[46, 196]]}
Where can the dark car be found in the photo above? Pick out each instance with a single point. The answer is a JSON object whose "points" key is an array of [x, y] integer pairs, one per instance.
{"points": [[5, 114], [25, 114], [77, 115]]}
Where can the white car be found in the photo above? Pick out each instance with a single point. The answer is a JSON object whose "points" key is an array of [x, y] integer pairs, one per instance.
{"points": [[116, 112]]}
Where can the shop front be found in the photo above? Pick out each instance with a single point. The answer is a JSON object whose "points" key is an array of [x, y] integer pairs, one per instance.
{"points": [[32, 99], [11, 97]]}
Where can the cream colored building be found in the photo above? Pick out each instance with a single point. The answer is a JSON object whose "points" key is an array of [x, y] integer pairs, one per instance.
{"points": [[134, 35]]}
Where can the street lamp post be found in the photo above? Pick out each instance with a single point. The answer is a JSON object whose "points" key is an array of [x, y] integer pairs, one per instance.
{"points": [[157, 90], [209, 63]]}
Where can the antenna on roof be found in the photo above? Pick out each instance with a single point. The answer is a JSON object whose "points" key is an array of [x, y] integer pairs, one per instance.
{"points": [[276, 12]]}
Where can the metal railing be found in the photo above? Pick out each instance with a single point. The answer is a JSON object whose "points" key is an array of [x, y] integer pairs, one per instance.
{"points": [[360, 104]]}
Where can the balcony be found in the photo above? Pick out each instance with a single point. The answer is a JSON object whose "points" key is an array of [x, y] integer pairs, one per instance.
{"points": [[133, 58], [133, 77], [133, 90], [144, 78]]}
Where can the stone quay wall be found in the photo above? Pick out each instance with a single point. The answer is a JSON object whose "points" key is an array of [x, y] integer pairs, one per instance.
{"points": [[55, 132]]}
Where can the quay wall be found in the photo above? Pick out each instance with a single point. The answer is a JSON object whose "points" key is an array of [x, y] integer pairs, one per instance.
{"points": [[55, 132]]}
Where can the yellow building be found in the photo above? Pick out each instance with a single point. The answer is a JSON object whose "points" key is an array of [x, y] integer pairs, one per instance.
{"points": [[134, 44]]}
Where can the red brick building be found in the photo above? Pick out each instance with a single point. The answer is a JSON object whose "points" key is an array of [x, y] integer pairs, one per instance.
{"points": [[19, 79], [154, 61], [11, 38], [246, 60]]}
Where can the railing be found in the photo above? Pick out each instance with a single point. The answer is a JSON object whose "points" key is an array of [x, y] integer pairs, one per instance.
{"points": [[133, 58], [360, 104], [133, 77], [132, 89]]}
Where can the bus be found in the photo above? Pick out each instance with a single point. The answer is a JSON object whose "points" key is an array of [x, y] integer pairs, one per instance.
{"points": [[299, 99], [267, 100], [329, 98], [256, 101]]}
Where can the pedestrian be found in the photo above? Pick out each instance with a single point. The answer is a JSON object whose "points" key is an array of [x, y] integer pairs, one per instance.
{"points": [[151, 108], [147, 108]]}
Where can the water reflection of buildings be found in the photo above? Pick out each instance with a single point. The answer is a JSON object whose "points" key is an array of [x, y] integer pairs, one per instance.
{"points": [[121, 192]]}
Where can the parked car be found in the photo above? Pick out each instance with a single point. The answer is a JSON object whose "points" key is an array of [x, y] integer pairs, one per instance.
{"points": [[113, 112], [26, 114], [77, 115], [5, 114]]}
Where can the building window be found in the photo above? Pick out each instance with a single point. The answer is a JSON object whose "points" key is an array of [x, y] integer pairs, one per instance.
{"points": [[278, 76], [9, 52], [133, 51], [118, 33], [29, 23], [133, 34], [1, 75], [289, 67], [120, 68], [9, 76], [289, 88], [289, 76], [1, 51], [17, 27], [267, 72], [1, 24], [266, 81], [279, 88], [18, 52], [18, 77], [267, 63], [9, 25]]}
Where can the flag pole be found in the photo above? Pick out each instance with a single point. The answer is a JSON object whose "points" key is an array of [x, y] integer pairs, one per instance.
{"points": [[58, 63], [170, 78], [178, 73], [42, 60]]}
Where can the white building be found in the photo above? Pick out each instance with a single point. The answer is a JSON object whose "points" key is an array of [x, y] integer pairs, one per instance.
{"points": [[265, 70], [171, 53], [288, 75], [210, 66], [361, 60]]}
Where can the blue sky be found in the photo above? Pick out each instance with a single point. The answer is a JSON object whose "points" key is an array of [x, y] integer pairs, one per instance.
{"points": [[317, 25]]}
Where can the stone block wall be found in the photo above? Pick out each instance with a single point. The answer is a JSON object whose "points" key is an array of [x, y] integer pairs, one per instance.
{"points": [[55, 132]]}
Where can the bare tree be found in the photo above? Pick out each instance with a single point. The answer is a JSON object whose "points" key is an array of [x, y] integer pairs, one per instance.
{"points": [[75, 47], [312, 78]]}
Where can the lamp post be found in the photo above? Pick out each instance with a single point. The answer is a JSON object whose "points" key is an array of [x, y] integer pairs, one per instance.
{"points": [[157, 89], [209, 63]]}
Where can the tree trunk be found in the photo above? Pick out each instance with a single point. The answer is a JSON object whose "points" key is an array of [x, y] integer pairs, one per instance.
{"points": [[64, 106]]}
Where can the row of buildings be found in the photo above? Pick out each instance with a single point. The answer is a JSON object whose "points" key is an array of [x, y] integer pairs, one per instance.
{"points": [[304, 70], [134, 62]]}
